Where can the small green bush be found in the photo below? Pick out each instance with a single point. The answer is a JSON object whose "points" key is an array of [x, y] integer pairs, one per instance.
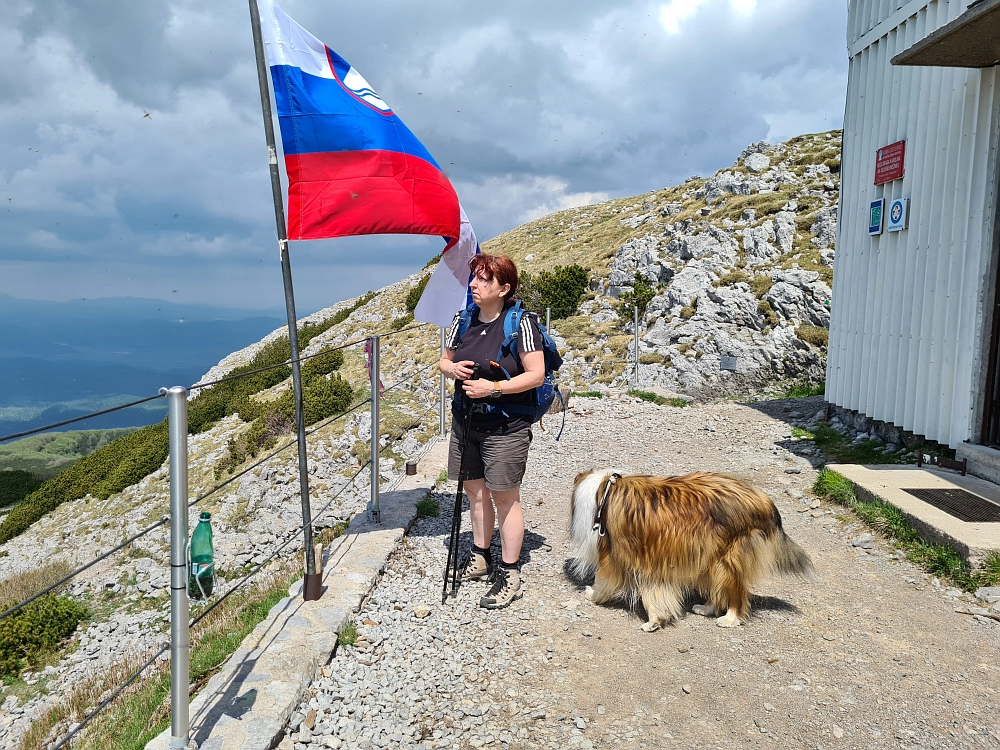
{"points": [[588, 394], [15, 485], [815, 335], [35, 631], [348, 634], [641, 294], [323, 397], [654, 398], [560, 290], [413, 296], [400, 323], [428, 508], [322, 364], [804, 389], [677, 401]]}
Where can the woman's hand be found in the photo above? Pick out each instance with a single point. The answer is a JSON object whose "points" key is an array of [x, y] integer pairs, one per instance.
{"points": [[478, 388], [462, 370]]}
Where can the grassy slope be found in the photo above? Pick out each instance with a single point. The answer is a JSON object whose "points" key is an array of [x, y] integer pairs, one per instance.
{"points": [[47, 455]]}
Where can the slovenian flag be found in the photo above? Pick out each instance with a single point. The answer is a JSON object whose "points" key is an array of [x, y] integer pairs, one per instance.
{"points": [[353, 167], [447, 290]]}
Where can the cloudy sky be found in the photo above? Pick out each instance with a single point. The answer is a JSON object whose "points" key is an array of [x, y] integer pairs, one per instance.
{"points": [[529, 106]]}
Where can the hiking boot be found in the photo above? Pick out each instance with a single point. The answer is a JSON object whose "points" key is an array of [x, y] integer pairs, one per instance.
{"points": [[473, 568], [506, 588]]}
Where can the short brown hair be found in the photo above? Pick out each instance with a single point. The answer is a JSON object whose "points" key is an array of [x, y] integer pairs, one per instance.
{"points": [[498, 267]]}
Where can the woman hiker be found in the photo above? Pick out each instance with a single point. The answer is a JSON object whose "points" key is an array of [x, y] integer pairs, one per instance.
{"points": [[497, 451]]}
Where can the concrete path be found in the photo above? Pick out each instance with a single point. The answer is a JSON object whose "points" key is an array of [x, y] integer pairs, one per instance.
{"points": [[248, 703]]}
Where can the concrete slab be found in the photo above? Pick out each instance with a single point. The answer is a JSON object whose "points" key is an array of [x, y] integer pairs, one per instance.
{"points": [[972, 540], [247, 704]]}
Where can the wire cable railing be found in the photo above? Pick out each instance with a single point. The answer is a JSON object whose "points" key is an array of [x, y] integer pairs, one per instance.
{"points": [[292, 535], [65, 422]]}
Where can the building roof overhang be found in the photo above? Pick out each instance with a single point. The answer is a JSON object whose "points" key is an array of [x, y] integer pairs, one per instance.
{"points": [[970, 41]]}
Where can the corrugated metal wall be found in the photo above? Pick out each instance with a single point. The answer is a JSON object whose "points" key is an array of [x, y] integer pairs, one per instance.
{"points": [[908, 307]]}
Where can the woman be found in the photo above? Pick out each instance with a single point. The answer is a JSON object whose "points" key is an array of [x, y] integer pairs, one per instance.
{"points": [[497, 452]]}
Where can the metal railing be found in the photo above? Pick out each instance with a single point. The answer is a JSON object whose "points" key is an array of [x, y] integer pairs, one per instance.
{"points": [[179, 643]]}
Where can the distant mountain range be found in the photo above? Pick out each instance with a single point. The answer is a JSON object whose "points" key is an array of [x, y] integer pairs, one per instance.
{"points": [[64, 359]]}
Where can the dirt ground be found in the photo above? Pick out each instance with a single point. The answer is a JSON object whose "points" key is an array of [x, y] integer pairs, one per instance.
{"points": [[871, 654]]}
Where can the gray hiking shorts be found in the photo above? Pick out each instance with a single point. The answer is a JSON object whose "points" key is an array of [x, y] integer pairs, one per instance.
{"points": [[499, 459]]}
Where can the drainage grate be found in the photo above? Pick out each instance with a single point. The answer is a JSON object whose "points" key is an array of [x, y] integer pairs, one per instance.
{"points": [[961, 504]]}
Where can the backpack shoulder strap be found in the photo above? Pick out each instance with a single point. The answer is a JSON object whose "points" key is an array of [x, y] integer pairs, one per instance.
{"points": [[465, 320], [511, 328]]}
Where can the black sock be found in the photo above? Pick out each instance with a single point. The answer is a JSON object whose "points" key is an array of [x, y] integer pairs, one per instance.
{"points": [[508, 566], [483, 552]]}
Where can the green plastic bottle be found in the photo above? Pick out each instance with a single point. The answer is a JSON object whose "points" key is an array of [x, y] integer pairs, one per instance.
{"points": [[201, 574]]}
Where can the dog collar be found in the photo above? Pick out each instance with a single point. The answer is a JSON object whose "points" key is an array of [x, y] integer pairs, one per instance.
{"points": [[599, 513]]}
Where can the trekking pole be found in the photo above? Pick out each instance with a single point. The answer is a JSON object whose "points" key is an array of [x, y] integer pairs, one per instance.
{"points": [[451, 567]]}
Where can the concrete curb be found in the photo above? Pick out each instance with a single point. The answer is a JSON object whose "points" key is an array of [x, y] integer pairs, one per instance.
{"points": [[247, 704]]}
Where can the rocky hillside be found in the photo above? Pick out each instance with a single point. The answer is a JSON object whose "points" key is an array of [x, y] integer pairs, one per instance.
{"points": [[738, 264]]}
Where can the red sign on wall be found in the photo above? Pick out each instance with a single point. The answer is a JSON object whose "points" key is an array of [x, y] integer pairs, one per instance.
{"points": [[889, 162]]}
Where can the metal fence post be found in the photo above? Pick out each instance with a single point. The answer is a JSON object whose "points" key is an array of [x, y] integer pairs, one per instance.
{"points": [[635, 309], [443, 386], [373, 508], [548, 317], [180, 646]]}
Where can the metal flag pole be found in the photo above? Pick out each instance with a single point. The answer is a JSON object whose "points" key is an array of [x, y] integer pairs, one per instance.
{"points": [[180, 645], [312, 585]]}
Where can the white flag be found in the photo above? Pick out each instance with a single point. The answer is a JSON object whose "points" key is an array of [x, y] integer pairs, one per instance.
{"points": [[447, 289]]}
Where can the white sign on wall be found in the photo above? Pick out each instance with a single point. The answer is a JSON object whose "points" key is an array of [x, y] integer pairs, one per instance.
{"points": [[897, 214]]}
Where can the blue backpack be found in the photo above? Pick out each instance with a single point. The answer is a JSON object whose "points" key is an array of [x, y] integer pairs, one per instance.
{"points": [[545, 394]]}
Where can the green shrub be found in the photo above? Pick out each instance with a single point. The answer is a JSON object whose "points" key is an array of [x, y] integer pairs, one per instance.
{"points": [[428, 508], [640, 296], [121, 463], [804, 389], [654, 398], [348, 634], [588, 394], [815, 335], [322, 398], [15, 485], [322, 364], [560, 290], [413, 296], [35, 631], [400, 323]]}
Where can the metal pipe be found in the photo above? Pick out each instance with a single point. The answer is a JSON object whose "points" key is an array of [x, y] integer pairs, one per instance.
{"points": [[548, 317], [635, 309], [376, 447], [310, 588], [443, 386], [180, 645]]}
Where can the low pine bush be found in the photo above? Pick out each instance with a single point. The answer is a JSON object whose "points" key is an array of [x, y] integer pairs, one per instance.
{"points": [[35, 631], [15, 485], [413, 296], [559, 290], [640, 295]]}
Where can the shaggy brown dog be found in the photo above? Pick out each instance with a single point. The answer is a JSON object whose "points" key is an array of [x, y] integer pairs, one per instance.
{"points": [[654, 538]]}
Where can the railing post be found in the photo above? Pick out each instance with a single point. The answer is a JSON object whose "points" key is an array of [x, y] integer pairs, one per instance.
{"points": [[443, 387], [548, 317], [180, 646], [373, 507], [635, 310]]}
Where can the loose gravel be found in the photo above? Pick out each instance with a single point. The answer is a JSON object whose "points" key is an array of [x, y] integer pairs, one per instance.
{"points": [[870, 654]]}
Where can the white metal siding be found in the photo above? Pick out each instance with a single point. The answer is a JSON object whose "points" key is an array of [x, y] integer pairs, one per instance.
{"points": [[908, 307]]}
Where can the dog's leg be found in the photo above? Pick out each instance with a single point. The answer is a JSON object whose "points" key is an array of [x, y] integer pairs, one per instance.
{"points": [[662, 603], [729, 594], [705, 610], [604, 588]]}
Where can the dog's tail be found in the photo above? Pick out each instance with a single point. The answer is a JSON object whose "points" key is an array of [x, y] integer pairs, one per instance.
{"points": [[789, 558], [585, 538]]}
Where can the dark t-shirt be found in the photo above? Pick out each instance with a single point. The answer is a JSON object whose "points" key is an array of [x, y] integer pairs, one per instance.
{"points": [[480, 344]]}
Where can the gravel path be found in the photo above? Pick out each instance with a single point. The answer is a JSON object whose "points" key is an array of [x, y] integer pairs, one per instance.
{"points": [[870, 654]]}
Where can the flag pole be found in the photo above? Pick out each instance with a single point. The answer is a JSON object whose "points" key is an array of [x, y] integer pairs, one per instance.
{"points": [[312, 585]]}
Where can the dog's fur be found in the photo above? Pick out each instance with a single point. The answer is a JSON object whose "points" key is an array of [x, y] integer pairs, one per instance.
{"points": [[708, 532]]}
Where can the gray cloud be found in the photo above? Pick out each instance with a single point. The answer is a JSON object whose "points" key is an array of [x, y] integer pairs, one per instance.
{"points": [[530, 107]]}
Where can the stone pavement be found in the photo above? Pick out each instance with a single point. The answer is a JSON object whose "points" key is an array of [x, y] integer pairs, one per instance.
{"points": [[247, 704]]}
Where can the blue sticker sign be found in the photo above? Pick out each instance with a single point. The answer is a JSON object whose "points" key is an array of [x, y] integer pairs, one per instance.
{"points": [[898, 210], [876, 216]]}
